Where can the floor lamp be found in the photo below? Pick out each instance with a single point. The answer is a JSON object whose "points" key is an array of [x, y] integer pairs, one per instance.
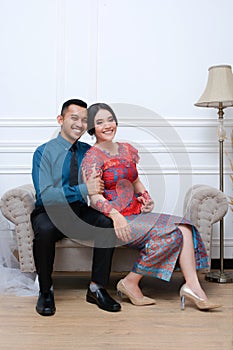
{"points": [[219, 94]]}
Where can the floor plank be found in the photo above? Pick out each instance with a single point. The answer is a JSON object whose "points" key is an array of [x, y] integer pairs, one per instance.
{"points": [[79, 325]]}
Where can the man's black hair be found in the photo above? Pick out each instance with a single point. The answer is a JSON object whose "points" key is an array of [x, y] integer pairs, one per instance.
{"points": [[73, 101]]}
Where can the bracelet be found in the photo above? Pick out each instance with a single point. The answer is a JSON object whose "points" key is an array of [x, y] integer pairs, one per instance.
{"points": [[145, 195]]}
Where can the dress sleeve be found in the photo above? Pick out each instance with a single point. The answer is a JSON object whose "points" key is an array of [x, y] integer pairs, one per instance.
{"points": [[133, 153], [92, 160]]}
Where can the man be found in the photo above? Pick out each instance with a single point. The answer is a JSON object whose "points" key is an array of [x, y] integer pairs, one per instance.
{"points": [[61, 210]]}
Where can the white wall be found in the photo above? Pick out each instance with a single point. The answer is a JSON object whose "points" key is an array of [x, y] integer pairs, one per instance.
{"points": [[148, 58]]}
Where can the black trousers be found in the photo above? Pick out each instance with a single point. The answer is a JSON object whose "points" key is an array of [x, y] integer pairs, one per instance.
{"points": [[76, 221]]}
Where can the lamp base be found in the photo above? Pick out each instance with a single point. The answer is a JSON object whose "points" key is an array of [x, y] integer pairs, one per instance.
{"points": [[219, 277]]}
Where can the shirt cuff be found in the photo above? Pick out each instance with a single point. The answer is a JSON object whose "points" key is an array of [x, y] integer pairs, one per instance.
{"points": [[83, 190]]}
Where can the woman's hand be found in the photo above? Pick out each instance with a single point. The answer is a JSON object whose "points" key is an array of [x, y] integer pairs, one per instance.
{"points": [[121, 226], [147, 207], [146, 201]]}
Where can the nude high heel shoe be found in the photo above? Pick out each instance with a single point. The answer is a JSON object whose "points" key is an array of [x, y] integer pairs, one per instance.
{"points": [[121, 289], [186, 292]]}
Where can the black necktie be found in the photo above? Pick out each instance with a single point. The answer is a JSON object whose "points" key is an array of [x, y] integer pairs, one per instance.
{"points": [[73, 166]]}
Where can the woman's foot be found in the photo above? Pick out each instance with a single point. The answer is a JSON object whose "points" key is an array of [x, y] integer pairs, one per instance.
{"points": [[132, 287], [134, 293], [196, 288], [201, 303]]}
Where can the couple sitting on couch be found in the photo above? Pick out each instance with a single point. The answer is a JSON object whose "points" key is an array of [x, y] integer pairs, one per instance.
{"points": [[66, 172]]}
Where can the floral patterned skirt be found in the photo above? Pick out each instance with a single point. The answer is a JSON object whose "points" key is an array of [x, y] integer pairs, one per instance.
{"points": [[159, 240]]}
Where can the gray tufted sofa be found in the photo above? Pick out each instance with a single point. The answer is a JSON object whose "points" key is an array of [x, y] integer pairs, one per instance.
{"points": [[203, 205]]}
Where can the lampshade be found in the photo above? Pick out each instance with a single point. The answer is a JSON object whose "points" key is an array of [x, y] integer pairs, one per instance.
{"points": [[219, 88]]}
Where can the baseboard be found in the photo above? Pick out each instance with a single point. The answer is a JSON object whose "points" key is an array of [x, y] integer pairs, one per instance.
{"points": [[227, 263]]}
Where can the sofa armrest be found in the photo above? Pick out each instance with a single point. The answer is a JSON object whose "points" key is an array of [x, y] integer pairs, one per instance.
{"points": [[16, 205], [205, 205]]}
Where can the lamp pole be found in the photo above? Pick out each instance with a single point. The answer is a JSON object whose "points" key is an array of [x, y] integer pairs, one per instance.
{"points": [[220, 276], [219, 94]]}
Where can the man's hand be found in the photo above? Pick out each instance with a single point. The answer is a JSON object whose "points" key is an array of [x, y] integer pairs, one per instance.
{"points": [[95, 185]]}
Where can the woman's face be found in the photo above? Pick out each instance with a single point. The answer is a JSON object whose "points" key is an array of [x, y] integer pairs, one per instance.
{"points": [[105, 126]]}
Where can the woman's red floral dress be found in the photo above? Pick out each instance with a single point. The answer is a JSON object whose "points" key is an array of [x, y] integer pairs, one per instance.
{"points": [[155, 235]]}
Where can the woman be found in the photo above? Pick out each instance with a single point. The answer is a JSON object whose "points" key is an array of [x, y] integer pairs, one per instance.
{"points": [[163, 240]]}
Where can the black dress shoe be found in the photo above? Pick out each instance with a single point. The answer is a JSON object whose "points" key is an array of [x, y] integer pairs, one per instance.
{"points": [[45, 304], [103, 300]]}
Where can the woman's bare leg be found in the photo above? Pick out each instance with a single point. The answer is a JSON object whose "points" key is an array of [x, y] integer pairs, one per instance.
{"points": [[187, 262], [187, 265]]}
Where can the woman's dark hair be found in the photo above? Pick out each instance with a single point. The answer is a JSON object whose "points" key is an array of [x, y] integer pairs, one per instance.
{"points": [[92, 111]]}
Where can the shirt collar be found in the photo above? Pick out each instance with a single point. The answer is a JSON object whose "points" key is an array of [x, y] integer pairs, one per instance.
{"points": [[63, 142]]}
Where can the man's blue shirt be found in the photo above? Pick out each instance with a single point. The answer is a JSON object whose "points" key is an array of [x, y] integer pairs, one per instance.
{"points": [[51, 172]]}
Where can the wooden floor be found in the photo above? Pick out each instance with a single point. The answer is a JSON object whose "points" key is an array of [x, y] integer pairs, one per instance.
{"points": [[79, 325]]}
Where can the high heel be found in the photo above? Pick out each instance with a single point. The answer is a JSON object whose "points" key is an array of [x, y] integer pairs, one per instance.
{"points": [[122, 289], [202, 304]]}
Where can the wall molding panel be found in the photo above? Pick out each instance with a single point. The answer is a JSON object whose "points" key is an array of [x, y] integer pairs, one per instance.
{"points": [[228, 248], [126, 122], [19, 147], [28, 123], [15, 169], [144, 147], [147, 170]]}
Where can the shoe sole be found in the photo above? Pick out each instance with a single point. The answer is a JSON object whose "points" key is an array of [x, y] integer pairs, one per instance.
{"points": [[93, 301], [44, 313]]}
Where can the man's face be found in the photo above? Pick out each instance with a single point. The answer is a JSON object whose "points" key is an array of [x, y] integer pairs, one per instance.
{"points": [[73, 123]]}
